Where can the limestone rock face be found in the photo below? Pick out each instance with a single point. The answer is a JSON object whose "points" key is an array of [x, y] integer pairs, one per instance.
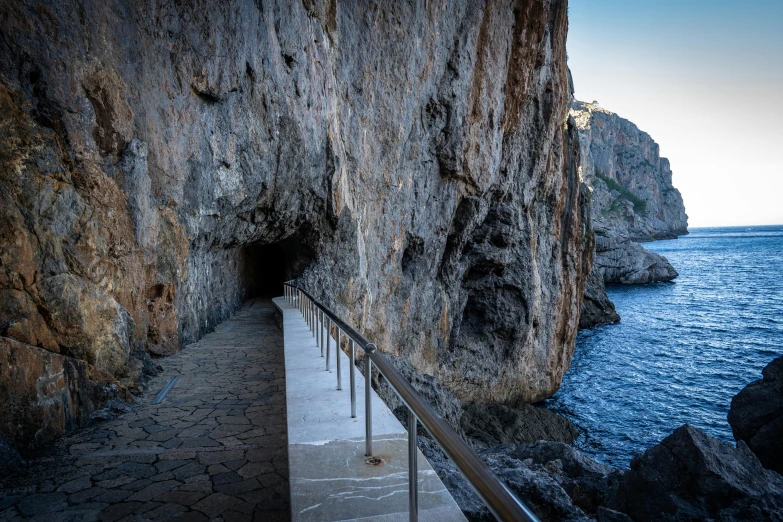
{"points": [[756, 416], [413, 164], [633, 195]]}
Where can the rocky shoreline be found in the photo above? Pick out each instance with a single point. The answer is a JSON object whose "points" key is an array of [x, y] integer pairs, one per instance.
{"points": [[688, 476]]}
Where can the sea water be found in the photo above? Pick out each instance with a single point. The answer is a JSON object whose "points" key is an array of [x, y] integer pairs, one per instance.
{"points": [[682, 349]]}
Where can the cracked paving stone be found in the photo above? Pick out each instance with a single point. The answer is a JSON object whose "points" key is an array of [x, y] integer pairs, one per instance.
{"points": [[154, 490], [75, 486], [185, 498], [42, 503], [118, 511], [215, 504], [236, 488]]}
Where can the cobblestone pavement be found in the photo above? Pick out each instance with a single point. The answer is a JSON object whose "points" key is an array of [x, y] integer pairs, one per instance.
{"points": [[215, 449]]}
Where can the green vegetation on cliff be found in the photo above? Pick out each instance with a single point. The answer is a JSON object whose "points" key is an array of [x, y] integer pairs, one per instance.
{"points": [[639, 205]]}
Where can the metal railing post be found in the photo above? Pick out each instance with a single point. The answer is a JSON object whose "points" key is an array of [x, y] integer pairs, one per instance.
{"points": [[368, 399], [413, 469], [328, 340], [318, 325], [323, 325], [337, 354], [353, 380]]}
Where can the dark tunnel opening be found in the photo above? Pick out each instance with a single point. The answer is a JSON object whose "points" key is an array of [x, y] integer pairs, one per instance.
{"points": [[267, 266]]}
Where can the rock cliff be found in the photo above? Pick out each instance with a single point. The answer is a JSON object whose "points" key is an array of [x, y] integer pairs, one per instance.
{"points": [[633, 195], [633, 199], [412, 164]]}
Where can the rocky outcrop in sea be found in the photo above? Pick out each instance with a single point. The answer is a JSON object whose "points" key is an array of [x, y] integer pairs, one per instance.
{"points": [[633, 200], [622, 261], [414, 167], [756, 416]]}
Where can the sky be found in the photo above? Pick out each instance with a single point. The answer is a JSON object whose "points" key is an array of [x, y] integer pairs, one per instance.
{"points": [[705, 79]]}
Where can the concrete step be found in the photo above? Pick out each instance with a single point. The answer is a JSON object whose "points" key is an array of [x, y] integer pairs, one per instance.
{"points": [[329, 474]]}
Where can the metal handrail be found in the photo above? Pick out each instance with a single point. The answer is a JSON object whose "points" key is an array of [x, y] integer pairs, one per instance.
{"points": [[503, 504]]}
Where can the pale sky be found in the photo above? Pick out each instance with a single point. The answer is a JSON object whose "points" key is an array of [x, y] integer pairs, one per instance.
{"points": [[705, 79]]}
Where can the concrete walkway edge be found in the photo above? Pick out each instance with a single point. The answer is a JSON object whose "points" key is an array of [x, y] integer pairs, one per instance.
{"points": [[330, 476]]}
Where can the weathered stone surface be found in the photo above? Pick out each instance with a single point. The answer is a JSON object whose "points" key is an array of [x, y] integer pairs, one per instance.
{"points": [[622, 261], [756, 416], [42, 394], [413, 163], [488, 425], [10, 460], [691, 476]]}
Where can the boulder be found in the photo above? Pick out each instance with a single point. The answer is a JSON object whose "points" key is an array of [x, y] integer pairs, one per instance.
{"points": [[541, 490], [692, 476], [756, 416], [689, 476]]}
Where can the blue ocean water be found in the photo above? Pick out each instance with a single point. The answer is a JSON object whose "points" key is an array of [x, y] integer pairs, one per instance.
{"points": [[683, 349]]}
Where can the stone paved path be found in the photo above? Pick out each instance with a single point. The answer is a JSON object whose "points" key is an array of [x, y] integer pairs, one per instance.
{"points": [[216, 449]]}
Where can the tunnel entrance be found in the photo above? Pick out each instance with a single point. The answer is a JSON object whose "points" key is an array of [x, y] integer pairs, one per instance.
{"points": [[266, 266]]}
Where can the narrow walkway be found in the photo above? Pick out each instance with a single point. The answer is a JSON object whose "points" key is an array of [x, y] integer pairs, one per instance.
{"points": [[331, 478], [216, 448]]}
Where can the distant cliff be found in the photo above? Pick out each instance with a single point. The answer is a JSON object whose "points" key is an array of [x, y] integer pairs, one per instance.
{"points": [[633, 199], [633, 195]]}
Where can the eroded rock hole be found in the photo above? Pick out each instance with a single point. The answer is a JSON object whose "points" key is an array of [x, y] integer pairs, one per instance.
{"points": [[266, 266]]}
